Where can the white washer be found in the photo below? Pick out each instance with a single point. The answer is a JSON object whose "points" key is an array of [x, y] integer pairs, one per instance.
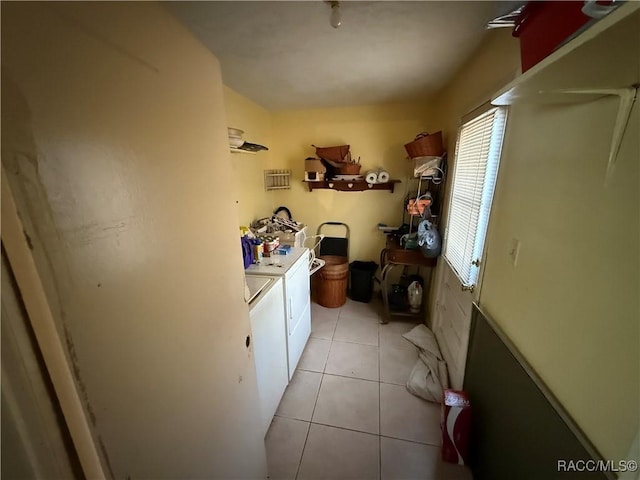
{"points": [[294, 268]]}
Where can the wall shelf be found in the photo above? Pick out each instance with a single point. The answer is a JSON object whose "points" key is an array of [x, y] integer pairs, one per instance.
{"points": [[572, 66], [238, 150], [593, 65], [352, 186]]}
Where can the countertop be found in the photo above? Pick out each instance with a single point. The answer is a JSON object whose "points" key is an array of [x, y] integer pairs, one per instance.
{"points": [[277, 264]]}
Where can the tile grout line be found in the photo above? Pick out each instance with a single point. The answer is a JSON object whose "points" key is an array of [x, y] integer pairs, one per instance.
{"points": [[415, 442], [379, 332], [379, 410], [379, 381], [351, 343], [326, 360], [309, 429], [344, 376], [315, 403], [346, 429], [306, 438]]}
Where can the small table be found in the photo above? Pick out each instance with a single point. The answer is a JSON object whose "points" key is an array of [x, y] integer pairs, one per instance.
{"points": [[394, 255]]}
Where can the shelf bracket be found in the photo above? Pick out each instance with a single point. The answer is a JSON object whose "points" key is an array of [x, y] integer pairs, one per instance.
{"points": [[627, 97]]}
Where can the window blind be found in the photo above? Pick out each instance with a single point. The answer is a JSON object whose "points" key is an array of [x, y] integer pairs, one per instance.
{"points": [[476, 168]]}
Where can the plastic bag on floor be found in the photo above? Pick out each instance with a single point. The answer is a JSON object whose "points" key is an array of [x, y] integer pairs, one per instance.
{"points": [[429, 376]]}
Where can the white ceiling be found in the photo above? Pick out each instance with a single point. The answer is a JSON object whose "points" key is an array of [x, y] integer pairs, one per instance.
{"points": [[285, 55]]}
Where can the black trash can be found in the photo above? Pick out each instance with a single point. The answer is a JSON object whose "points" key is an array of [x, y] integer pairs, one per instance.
{"points": [[362, 280]]}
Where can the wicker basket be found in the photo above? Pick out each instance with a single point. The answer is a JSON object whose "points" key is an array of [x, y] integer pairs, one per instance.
{"points": [[349, 169], [335, 154], [425, 145], [330, 282]]}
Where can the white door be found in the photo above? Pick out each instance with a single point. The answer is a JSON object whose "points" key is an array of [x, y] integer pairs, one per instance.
{"points": [[452, 321], [477, 159]]}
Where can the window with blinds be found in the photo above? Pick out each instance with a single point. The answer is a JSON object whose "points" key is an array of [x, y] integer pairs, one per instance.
{"points": [[476, 168]]}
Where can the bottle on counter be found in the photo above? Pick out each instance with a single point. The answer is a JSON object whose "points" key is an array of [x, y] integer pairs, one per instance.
{"points": [[258, 250]]}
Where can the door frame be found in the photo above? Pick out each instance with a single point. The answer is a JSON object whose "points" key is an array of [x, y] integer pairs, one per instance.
{"points": [[475, 294], [38, 310]]}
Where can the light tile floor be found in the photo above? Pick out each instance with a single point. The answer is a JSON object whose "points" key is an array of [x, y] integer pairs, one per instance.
{"points": [[346, 413]]}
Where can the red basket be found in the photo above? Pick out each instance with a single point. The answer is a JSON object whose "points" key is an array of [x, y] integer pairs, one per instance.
{"points": [[426, 145], [544, 26]]}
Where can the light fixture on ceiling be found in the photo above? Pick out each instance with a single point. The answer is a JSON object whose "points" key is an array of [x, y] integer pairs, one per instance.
{"points": [[335, 19]]}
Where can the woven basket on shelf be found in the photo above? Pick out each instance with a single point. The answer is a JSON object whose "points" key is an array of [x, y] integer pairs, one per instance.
{"points": [[335, 154], [426, 145], [349, 169]]}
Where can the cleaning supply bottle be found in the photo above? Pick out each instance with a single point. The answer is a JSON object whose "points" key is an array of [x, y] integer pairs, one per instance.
{"points": [[415, 296], [258, 250]]}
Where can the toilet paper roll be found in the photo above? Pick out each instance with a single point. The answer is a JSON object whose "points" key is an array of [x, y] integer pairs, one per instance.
{"points": [[383, 176], [371, 177]]}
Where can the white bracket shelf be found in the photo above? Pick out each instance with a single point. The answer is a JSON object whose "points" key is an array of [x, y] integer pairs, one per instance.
{"points": [[591, 66]]}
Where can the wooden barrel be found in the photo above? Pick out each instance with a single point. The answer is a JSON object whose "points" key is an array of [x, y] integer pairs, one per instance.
{"points": [[330, 282]]}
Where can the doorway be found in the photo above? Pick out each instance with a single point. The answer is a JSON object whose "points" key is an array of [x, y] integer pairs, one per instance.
{"points": [[476, 164]]}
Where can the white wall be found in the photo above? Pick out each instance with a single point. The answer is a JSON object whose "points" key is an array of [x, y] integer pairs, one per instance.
{"points": [[114, 139]]}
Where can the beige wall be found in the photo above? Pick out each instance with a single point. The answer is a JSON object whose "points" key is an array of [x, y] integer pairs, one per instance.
{"points": [[493, 65], [248, 169], [571, 304], [114, 140], [377, 134]]}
